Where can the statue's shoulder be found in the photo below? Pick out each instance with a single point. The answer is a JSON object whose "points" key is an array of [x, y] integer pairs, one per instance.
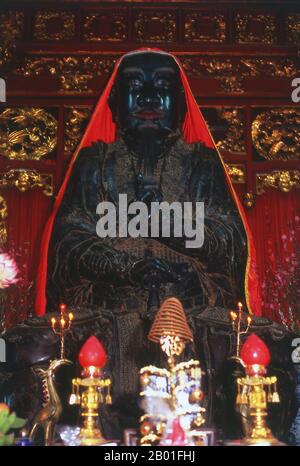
{"points": [[96, 150], [90, 158]]}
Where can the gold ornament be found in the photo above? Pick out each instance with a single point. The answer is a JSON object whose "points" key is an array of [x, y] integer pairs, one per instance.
{"points": [[255, 391], [23, 180], [248, 200], [88, 393], [283, 180], [11, 25], [107, 26], [147, 24], [27, 133], [257, 28], [3, 217], [236, 173], [275, 134], [194, 31], [293, 28], [64, 22], [234, 137], [75, 121]]}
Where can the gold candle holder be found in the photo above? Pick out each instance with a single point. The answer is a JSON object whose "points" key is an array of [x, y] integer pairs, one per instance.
{"points": [[91, 391], [87, 392], [62, 326], [257, 391], [237, 324]]}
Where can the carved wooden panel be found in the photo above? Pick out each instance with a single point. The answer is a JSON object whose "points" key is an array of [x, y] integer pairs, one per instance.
{"points": [[105, 25], [204, 27], [11, 25], [227, 125], [155, 26], [257, 28], [54, 25], [75, 119], [292, 25], [275, 133], [27, 133]]}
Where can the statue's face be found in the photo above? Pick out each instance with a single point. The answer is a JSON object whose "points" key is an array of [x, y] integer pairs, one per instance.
{"points": [[149, 92]]}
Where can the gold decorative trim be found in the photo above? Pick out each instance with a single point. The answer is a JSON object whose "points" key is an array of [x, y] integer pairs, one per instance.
{"points": [[75, 121], [234, 140], [227, 71], [116, 31], [283, 180], [11, 25], [268, 67], [193, 31], [27, 133], [227, 125], [164, 21], [24, 179], [11, 29], [3, 217], [256, 28], [248, 200], [293, 28], [74, 73], [237, 173], [45, 19], [275, 134]]}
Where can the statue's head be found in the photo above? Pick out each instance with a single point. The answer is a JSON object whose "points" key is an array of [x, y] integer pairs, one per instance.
{"points": [[148, 93]]}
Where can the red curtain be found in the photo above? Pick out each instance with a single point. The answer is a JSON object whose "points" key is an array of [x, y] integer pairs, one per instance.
{"points": [[275, 223], [27, 215]]}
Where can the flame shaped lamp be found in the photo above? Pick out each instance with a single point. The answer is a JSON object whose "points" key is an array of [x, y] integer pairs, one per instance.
{"points": [[257, 390], [91, 391]]}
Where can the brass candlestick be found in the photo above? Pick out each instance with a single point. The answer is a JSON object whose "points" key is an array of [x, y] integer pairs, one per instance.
{"points": [[62, 326], [256, 391], [237, 323], [88, 391], [90, 399]]}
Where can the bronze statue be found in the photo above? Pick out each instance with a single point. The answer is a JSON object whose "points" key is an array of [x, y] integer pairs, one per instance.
{"points": [[121, 281], [150, 162], [50, 413]]}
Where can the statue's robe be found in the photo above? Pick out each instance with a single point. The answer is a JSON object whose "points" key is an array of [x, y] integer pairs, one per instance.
{"points": [[88, 270], [89, 273]]}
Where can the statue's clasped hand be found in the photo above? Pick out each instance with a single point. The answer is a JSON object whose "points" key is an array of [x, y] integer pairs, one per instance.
{"points": [[150, 270]]}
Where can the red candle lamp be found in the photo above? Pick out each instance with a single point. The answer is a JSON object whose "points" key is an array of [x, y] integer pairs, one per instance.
{"points": [[256, 390], [92, 356], [255, 355], [91, 391]]}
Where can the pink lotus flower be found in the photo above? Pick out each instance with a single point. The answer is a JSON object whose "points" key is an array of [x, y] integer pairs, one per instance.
{"points": [[8, 271]]}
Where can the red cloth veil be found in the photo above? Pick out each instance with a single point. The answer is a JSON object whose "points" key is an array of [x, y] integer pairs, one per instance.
{"points": [[102, 128]]}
